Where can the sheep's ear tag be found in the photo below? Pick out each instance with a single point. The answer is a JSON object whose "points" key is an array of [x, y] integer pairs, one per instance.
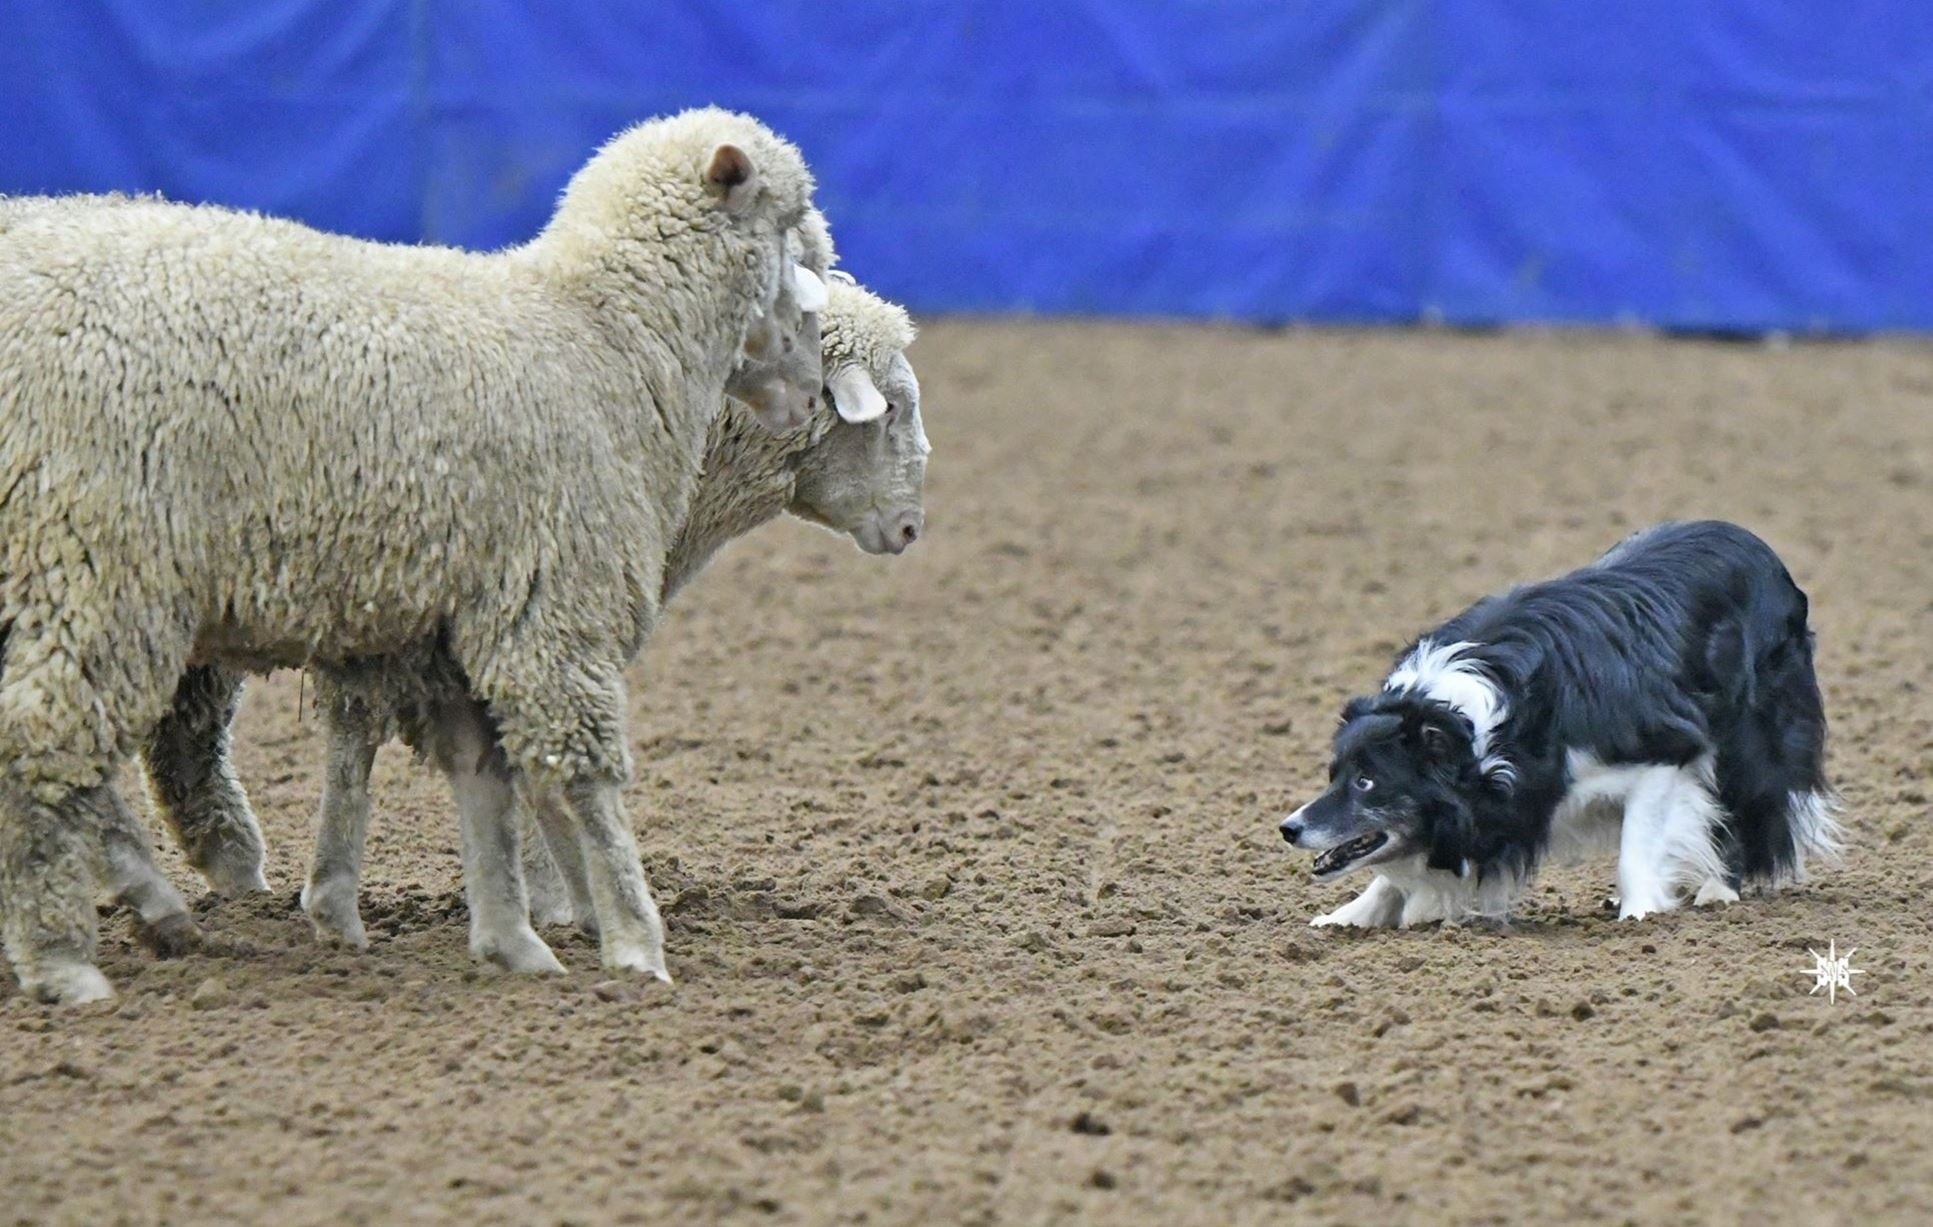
{"points": [[729, 173], [854, 396]]}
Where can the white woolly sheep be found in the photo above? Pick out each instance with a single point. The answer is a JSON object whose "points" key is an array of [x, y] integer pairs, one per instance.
{"points": [[231, 440], [190, 777], [857, 469]]}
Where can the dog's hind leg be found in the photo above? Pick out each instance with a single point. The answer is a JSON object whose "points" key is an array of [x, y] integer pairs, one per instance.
{"points": [[1770, 770], [1380, 906]]}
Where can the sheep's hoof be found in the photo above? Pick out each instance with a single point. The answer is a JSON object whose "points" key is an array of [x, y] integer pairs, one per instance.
{"points": [[170, 937], [235, 875], [636, 960], [67, 984], [524, 953], [332, 910]]}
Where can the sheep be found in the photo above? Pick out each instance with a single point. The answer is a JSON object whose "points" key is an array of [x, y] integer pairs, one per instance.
{"points": [[190, 778], [232, 441], [858, 469]]}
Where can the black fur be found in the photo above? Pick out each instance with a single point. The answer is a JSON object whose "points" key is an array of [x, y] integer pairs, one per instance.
{"points": [[1683, 640]]}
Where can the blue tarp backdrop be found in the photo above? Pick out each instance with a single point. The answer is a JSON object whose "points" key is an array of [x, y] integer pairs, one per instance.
{"points": [[1736, 164]]}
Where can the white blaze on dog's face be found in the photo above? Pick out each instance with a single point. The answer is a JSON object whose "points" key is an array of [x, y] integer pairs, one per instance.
{"points": [[1393, 787], [779, 374], [867, 476]]}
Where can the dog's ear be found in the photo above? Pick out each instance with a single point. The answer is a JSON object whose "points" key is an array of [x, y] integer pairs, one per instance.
{"points": [[1357, 708], [1435, 742]]}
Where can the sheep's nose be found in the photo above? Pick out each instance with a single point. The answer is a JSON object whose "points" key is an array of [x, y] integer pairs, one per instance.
{"points": [[905, 529]]}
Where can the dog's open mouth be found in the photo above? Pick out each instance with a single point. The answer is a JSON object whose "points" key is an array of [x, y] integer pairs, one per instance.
{"points": [[1342, 856]]}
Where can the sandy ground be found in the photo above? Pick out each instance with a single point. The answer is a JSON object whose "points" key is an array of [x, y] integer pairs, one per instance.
{"points": [[977, 907]]}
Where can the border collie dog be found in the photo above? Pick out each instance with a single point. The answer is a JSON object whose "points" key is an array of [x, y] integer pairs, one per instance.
{"points": [[1660, 701]]}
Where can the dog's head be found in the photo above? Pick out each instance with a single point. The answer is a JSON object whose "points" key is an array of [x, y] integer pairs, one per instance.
{"points": [[1404, 780]]}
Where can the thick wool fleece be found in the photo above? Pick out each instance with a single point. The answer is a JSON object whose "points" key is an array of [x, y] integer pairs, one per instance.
{"points": [[862, 329], [745, 479], [227, 438]]}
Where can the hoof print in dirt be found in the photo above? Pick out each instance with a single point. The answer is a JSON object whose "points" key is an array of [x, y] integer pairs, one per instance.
{"points": [[877, 907]]}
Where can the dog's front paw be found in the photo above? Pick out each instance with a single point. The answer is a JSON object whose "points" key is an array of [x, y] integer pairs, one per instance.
{"points": [[1640, 910], [1715, 890], [1354, 916], [1380, 906]]}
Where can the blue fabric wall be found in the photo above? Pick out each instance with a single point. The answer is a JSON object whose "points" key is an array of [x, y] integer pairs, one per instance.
{"points": [[1738, 164]]}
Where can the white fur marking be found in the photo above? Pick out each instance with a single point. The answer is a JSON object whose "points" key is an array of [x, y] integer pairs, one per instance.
{"points": [[1586, 821], [1666, 845], [1380, 906], [1815, 830], [1437, 672], [1715, 890]]}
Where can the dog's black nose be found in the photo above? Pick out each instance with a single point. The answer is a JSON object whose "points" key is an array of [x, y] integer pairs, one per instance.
{"points": [[1291, 830]]}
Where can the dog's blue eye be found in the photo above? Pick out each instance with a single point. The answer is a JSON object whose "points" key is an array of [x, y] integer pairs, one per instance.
{"points": [[1364, 783]]}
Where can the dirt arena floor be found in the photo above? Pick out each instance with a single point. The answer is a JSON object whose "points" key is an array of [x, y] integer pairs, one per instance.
{"points": [[977, 907]]}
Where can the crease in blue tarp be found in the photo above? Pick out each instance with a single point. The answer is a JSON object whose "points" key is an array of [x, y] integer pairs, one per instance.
{"points": [[1728, 165]]}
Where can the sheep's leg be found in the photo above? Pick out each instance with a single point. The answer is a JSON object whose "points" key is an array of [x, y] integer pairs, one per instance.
{"points": [[465, 746], [631, 932], [161, 918], [550, 901], [560, 891], [47, 883], [194, 785], [342, 823], [81, 684]]}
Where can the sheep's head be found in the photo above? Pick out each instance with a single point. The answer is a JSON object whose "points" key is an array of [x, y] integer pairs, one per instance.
{"points": [[866, 475], [778, 376], [726, 183]]}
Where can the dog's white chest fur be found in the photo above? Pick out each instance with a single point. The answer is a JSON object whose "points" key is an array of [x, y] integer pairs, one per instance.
{"points": [[1587, 819]]}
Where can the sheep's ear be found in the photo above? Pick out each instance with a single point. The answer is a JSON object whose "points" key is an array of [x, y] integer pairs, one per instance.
{"points": [[808, 289], [730, 175], [854, 396]]}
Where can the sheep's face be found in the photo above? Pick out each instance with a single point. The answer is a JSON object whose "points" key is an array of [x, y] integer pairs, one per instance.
{"points": [[867, 478], [778, 375]]}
